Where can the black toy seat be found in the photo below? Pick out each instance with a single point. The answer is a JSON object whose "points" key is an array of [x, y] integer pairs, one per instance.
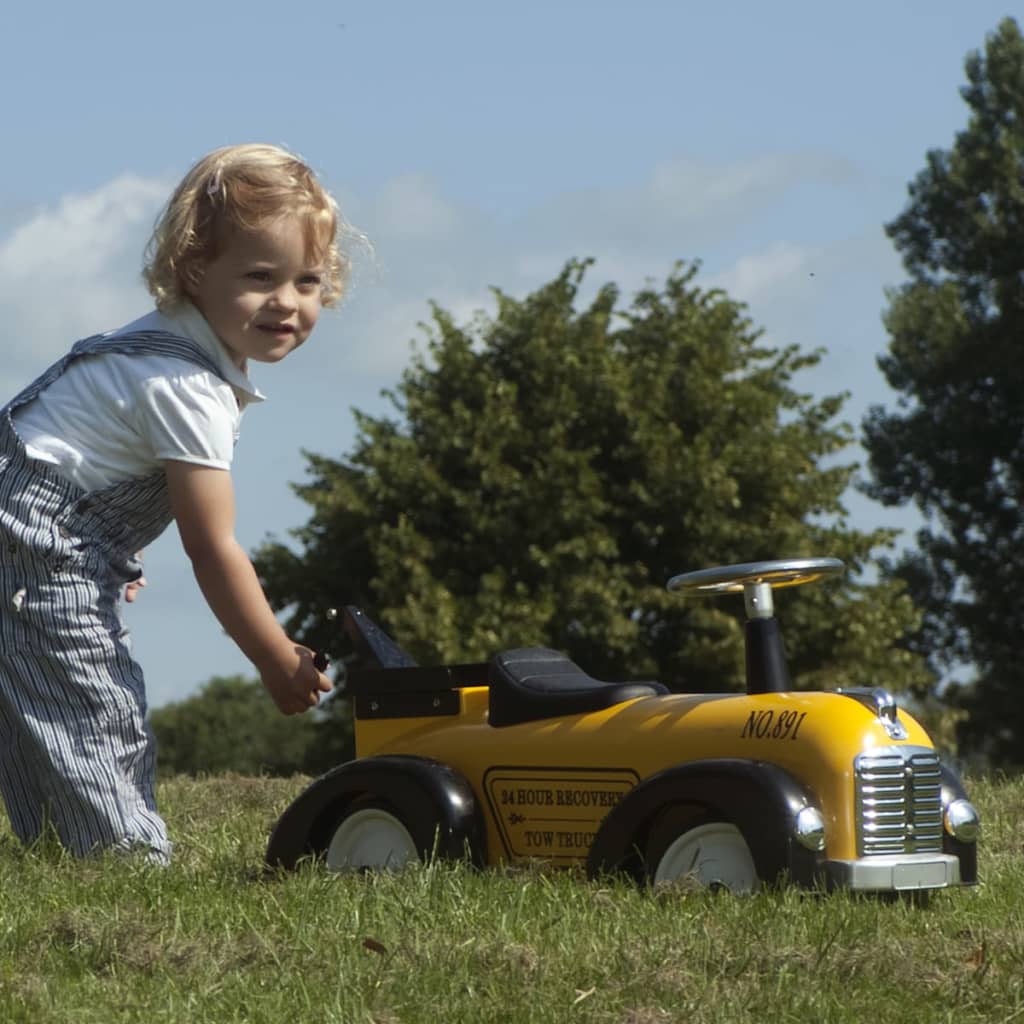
{"points": [[530, 683]]}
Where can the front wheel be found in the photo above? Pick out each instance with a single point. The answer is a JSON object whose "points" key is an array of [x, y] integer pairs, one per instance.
{"points": [[711, 855], [370, 837]]}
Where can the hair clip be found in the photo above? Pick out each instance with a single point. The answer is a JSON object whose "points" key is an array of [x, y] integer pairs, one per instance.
{"points": [[213, 186]]}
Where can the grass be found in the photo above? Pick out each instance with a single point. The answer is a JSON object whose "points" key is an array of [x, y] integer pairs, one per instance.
{"points": [[210, 939]]}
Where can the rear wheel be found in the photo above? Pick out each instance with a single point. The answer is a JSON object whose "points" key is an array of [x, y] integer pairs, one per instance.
{"points": [[371, 837], [709, 854]]}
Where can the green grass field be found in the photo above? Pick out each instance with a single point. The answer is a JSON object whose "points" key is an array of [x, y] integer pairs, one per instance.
{"points": [[210, 939]]}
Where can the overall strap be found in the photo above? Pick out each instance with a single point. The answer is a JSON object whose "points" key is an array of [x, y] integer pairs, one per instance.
{"points": [[134, 343], [150, 343]]}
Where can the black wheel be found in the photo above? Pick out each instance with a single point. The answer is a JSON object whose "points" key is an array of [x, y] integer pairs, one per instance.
{"points": [[381, 812], [687, 845]]}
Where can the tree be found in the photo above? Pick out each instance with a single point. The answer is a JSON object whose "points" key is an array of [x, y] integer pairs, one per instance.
{"points": [[955, 443], [550, 468], [231, 725]]}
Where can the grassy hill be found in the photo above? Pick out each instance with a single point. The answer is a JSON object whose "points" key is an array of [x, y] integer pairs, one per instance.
{"points": [[210, 939]]}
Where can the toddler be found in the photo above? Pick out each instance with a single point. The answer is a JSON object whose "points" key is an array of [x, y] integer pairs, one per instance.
{"points": [[131, 429]]}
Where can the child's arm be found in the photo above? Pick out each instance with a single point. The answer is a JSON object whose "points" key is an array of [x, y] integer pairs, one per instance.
{"points": [[203, 502]]}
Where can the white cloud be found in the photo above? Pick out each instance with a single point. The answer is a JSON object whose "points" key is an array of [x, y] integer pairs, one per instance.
{"points": [[73, 269], [409, 207], [427, 249], [781, 268], [683, 206], [688, 189], [378, 333]]}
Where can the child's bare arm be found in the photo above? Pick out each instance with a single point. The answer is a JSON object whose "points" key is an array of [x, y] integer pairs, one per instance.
{"points": [[203, 502]]}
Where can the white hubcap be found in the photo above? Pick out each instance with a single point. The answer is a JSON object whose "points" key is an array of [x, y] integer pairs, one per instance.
{"points": [[371, 838], [714, 856]]}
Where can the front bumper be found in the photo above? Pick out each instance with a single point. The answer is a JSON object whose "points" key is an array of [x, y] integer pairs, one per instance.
{"points": [[895, 872]]}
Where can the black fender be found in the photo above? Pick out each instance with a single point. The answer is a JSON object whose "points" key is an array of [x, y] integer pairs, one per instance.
{"points": [[759, 798], [967, 853], [423, 792]]}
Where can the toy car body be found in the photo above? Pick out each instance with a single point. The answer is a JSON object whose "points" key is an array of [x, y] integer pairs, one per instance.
{"points": [[526, 757]]}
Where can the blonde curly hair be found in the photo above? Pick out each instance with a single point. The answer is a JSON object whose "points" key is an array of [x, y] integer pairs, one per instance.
{"points": [[241, 187]]}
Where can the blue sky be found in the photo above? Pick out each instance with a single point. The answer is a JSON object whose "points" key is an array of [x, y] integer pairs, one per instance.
{"points": [[475, 145]]}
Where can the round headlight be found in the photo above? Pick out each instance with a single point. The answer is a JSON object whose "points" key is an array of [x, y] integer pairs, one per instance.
{"points": [[961, 821], [809, 829]]}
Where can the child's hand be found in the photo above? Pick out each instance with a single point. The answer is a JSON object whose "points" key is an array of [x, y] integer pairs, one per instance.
{"points": [[296, 686], [131, 590]]}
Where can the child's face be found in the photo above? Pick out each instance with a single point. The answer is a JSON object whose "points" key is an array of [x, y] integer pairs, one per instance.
{"points": [[260, 295]]}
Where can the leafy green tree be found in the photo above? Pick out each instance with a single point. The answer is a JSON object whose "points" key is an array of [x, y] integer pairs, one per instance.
{"points": [[551, 467], [954, 445], [231, 725]]}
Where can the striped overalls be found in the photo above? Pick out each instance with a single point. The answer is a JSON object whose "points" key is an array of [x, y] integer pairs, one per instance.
{"points": [[75, 749]]}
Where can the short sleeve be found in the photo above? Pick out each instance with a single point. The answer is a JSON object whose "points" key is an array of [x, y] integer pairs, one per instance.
{"points": [[191, 417]]}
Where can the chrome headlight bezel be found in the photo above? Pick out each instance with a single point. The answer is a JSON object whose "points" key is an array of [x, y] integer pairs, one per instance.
{"points": [[809, 829], [961, 821]]}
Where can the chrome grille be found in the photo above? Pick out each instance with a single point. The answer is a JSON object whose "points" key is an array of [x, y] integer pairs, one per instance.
{"points": [[899, 801]]}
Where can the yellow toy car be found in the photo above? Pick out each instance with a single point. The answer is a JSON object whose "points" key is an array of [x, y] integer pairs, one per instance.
{"points": [[526, 757]]}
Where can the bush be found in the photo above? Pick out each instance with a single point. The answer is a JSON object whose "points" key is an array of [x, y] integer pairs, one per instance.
{"points": [[231, 725]]}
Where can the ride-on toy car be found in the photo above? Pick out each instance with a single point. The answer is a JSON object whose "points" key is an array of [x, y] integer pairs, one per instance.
{"points": [[526, 757]]}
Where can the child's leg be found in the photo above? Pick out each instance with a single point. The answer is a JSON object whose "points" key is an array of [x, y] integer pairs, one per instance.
{"points": [[19, 780], [86, 746], [70, 691]]}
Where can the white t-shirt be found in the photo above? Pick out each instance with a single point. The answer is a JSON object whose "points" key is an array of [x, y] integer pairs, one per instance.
{"points": [[112, 417]]}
